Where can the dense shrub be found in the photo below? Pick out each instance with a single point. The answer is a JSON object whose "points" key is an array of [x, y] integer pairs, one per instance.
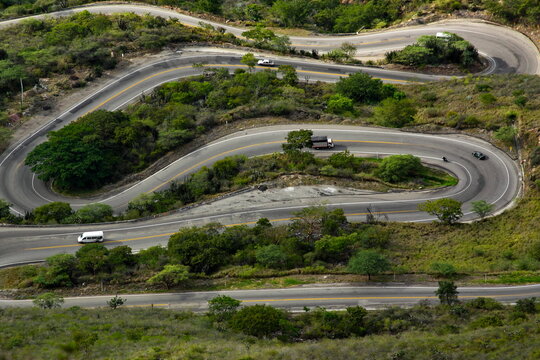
{"points": [[261, 321], [432, 50], [398, 168]]}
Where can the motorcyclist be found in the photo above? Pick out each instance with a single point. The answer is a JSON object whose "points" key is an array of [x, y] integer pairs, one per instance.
{"points": [[444, 159]]}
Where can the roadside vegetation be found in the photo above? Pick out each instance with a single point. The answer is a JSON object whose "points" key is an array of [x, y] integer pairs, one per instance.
{"points": [[332, 16], [433, 50], [49, 57], [476, 329], [316, 241]]}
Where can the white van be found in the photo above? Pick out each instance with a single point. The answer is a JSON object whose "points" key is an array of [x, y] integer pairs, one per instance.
{"points": [[90, 237], [443, 35]]}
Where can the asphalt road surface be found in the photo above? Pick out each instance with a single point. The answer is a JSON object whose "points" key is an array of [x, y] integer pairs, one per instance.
{"points": [[509, 50], [496, 180], [295, 299]]}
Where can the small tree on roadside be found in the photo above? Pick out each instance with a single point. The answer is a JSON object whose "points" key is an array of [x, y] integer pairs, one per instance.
{"points": [[249, 60], [482, 208], [394, 113], [222, 308], [116, 302], [171, 275], [289, 74], [368, 262], [297, 140], [4, 209], [447, 293], [448, 211], [48, 301]]}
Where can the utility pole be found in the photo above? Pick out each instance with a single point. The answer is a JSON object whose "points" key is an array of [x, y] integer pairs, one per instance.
{"points": [[22, 94]]}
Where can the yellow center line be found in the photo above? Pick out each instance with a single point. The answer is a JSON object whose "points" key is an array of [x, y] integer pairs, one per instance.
{"points": [[378, 298], [211, 158], [209, 65], [352, 43], [254, 145], [230, 225]]}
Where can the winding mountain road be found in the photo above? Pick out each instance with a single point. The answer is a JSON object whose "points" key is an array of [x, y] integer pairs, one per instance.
{"points": [[496, 180]]}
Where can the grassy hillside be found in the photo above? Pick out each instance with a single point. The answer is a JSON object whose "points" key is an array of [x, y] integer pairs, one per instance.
{"points": [[319, 15], [480, 330]]}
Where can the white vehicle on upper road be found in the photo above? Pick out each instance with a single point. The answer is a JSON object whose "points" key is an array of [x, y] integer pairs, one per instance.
{"points": [[90, 237], [265, 62]]}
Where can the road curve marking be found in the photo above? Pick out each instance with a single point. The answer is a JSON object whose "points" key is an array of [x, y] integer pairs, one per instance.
{"points": [[250, 146]]}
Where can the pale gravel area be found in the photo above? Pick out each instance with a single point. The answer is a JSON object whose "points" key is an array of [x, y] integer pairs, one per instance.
{"points": [[294, 195]]}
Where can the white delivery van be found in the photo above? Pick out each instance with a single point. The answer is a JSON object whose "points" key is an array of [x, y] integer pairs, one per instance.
{"points": [[90, 237]]}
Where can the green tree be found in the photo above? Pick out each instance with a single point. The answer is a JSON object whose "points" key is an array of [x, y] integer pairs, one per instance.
{"points": [[482, 208], [197, 248], [291, 13], [448, 211], [211, 6], [120, 258], [72, 154], [297, 140], [48, 301], [447, 293], [4, 209], [154, 257], [93, 213], [368, 262], [116, 302], [311, 223], [339, 104], [222, 308], [260, 35], [360, 87], [289, 74], [394, 113], [249, 60], [170, 276], [54, 212], [92, 258], [261, 321], [397, 168], [271, 256], [60, 271]]}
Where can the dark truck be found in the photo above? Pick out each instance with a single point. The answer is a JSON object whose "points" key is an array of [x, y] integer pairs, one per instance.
{"points": [[321, 142]]}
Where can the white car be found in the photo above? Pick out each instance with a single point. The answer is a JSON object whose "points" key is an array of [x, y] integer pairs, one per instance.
{"points": [[265, 62]]}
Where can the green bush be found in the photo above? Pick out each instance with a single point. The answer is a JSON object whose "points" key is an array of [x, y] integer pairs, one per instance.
{"points": [[506, 134], [272, 256], [262, 321], [398, 168], [52, 213], [483, 303], [339, 104], [394, 113]]}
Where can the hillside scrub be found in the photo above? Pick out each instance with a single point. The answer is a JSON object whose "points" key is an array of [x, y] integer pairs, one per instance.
{"points": [[317, 241], [466, 330], [75, 50], [433, 50], [318, 15]]}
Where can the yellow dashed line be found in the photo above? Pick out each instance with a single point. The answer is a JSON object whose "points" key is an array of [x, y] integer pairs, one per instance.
{"points": [[230, 225], [378, 298]]}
